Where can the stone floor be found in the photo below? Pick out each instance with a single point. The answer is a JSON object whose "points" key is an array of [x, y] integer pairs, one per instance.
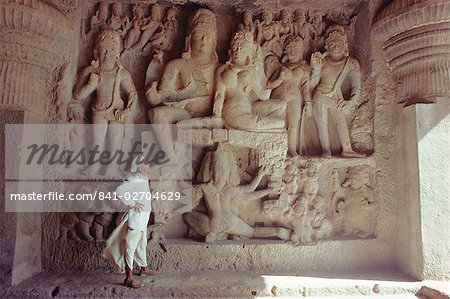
{"points": [[223, 284]]}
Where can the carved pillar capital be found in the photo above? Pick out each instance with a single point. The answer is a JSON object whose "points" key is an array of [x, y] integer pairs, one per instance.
{"points": [[415, 36], [33, 44]]}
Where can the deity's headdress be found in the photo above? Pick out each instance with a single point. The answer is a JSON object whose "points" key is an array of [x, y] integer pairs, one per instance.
{"points": [[336, 32], [202, 19]]}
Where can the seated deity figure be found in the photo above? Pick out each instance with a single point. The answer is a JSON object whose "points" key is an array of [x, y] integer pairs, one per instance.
{"points": [[330, 70], [234, 100], [222, 195], [186, 88], [110, 81], [292, 86], [267, 34]]}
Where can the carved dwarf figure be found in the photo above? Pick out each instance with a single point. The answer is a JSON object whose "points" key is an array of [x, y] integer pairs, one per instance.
{"points": [[109, 80], [292, 86], [355, 200], [235, 94], [330, 70], [186, 88], [222, 195]]}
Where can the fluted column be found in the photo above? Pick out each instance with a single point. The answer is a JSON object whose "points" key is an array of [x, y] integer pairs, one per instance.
{"points": [[33, 44], [415, 35]]}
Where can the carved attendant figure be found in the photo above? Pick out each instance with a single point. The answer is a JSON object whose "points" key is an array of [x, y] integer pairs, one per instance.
{"points": [[292, 86], [332, 68], [247, 22], [109, 80], [100, 17], [152, 25], [135, 31]]}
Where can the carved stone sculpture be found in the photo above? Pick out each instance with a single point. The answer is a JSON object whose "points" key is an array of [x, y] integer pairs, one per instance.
{"points": [[285, 26], [247, 22], [186, 88], [149, 27], [222, 195], [235, 93], [67, 224], [301, 28], [356, 203], [100, 18], [163, 40], [329, 71], [292, 86], [137, 23], [109, 80], [316, 30], [118, 21], [267, 34]]}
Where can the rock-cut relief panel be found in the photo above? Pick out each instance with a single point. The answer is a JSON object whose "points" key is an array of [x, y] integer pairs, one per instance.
{"points": [[288, 98]]}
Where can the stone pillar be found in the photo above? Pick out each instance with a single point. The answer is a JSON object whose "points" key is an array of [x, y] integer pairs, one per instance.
{"points": [[415, 36], [416, 41], [34, 46]]}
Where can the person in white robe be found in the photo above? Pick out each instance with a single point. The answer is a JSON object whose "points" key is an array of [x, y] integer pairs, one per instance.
{"points": [[128, 242]]}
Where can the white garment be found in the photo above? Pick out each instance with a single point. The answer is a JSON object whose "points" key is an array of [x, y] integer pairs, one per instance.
{"points": [[136, 244], [136, 189]]}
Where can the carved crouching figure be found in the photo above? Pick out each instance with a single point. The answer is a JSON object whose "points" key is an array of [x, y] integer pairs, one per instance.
{"points": [[221, 195]]}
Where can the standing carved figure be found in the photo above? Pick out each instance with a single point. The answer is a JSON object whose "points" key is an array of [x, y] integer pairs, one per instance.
{"points": [[301, 28], [109, 81], [285, 26], [186, 88], [292, 86], [118, 21], [329, 105], [99, 19], [162, 41]]}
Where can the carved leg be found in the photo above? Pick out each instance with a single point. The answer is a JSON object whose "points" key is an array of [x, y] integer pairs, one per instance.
{"points": [[197, 222], [63, 232], [166, 116], [98, 231], [98, 140], [73, 235], [293, 116], [344, 135], [321, 115], [115, 135], [84, 230]]}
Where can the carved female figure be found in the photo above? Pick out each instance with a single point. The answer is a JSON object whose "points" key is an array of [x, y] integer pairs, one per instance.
{"points": [[234, 98], [285, 26], [100, 17], [292, 86], [316, 30], [162, 41], [329, 70], [301, 28]]}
